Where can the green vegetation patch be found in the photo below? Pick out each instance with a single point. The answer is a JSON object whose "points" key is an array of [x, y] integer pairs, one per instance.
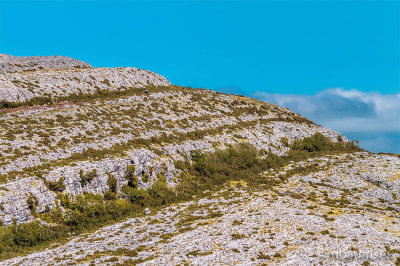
{"points": [[208, 172]]}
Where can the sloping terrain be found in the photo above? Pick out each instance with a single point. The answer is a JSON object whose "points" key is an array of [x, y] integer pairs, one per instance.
{"points": [[41, 79], [107, 131], [83, 147], [12, 64], [335, 214]]}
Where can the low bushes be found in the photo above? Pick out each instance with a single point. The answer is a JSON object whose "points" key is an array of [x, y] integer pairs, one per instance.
{"points": [[31, 234], [91, 210], [55, 185], [208, 172], [86, 178], [99, 95], [319, 142], [32, 102]]}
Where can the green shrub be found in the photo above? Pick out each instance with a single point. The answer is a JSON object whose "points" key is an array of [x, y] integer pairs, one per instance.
{"points": [[55, 215], [56, 185], [145, 177], [32, 203], [285, 141], [234, 163], [319, 142], [209, 171], [136, 196], [90, 210], [160, 194], [202, 164], [131, 176], [65, 200], [15, 237], [109, 195], [112, 183], [86, 178]]}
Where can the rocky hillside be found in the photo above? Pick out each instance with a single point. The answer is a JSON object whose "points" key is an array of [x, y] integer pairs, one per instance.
{"points": [[12, 64], [337, 215], [71, 133], [49, 77]]}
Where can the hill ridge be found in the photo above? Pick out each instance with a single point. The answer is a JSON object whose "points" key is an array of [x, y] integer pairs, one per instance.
{"points": [[106, 143]]}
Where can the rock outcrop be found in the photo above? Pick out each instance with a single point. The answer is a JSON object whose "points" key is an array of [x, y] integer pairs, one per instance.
{"points": [[12, 64], [94, 130], [326, 217], [149, 131], [26, 78]]}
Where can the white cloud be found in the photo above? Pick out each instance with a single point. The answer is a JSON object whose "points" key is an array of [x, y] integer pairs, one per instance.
{"points": [[348, 111]]}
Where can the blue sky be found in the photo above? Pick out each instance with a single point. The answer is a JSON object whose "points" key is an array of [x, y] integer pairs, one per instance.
{"points": [[342, 57]]}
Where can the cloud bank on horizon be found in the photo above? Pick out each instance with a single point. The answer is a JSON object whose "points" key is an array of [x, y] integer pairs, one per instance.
{"points": [[370, 117]]}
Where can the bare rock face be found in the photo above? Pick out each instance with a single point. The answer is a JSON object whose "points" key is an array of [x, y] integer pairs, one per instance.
{"points": [[331, 216], [313, 211], [24, 78], [14, 200], [9, 63], [148, 131], [47, 137], [22, 87]]}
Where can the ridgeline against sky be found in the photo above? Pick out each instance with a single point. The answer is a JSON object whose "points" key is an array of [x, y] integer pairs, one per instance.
{"points": [[296, 51]]}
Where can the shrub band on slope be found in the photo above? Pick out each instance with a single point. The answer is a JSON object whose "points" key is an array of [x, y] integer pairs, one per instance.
{"points": [[208, 172]]}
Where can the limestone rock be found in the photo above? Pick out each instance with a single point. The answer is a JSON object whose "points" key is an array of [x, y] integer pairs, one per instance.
{"points": [[54, 83], [255, 227], [9, 63]]}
